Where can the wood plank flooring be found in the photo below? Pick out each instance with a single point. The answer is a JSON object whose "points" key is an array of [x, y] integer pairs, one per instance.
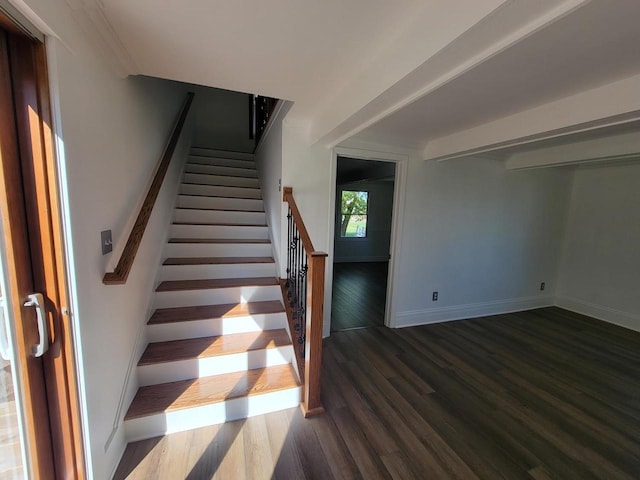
{"points": [[359, 295], [532, 395]]}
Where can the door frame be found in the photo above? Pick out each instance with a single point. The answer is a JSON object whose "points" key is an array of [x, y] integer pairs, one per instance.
{"points": [[37, 139], [397, 218]]}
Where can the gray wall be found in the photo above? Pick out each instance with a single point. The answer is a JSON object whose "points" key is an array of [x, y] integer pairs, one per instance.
{"points": [[375, 247], [482, 236], [221, 120], [600, 269]]}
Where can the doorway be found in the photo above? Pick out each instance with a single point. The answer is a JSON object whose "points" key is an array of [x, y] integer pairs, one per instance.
{"points": [[38, 398], [362, 239]]}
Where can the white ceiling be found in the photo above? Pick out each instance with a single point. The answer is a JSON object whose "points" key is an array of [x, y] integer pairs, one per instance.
{"points": [[401, 72], [595, 45], [289, 49]]}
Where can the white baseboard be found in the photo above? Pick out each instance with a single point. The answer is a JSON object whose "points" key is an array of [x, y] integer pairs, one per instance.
{"points": [[472, 310], [606, 314]]}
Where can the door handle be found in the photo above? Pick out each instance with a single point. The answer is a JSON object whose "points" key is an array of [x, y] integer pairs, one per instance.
{"points": [[37, 300]]}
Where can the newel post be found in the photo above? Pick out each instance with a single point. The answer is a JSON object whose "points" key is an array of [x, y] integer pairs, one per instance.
{"points": [[311, 404]]}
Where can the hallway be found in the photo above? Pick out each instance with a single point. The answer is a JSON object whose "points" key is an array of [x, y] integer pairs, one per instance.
{"points": [[359, 294]]}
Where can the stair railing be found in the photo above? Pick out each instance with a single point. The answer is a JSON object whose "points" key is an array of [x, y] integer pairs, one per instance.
{"points": [[121, 272], [304, 298]]}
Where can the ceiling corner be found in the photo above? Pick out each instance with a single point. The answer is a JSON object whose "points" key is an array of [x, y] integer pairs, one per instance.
{"points": [[91, 17]]}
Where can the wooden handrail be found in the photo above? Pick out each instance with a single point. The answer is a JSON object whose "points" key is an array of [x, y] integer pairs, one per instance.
{"points": [[121, 272], [287, 196], [313, 312]]}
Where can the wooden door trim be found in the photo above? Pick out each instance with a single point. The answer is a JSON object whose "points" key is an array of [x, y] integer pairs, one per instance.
{"points": [[35, 132], [18, 273]]}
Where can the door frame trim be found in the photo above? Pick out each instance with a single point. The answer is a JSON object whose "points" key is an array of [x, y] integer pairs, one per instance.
{"points": [[397, 220], [42, 163]]}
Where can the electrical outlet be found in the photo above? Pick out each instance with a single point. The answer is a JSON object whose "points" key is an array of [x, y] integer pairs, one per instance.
{"points": [[542, 285], [434, 296], [106, 242]]}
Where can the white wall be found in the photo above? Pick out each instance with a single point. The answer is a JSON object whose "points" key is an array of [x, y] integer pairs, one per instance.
{"points": [[269, 164], [307, 168], [600, 269], [481, 236], [222, 120], [112, 133], [375, 246]]}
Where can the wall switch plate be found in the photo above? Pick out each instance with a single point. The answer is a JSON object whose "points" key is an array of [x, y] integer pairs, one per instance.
{"points": [[106, 242], [542, 285], [434, 297]]}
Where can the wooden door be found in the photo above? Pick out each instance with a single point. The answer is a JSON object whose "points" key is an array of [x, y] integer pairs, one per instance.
{"points": [[34, 262]]}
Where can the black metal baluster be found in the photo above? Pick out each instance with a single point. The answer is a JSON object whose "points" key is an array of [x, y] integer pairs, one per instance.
{"points": [[289, 231], [296, 283]]}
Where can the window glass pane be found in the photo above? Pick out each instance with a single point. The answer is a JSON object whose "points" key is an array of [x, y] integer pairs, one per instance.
{"points": [[11, 458], [354, 207]]}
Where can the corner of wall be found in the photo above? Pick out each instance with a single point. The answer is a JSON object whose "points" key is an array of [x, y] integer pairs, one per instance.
{"points": [[606, 314]]}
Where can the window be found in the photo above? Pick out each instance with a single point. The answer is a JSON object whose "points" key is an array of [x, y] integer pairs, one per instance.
{"points": [[353, 222]]}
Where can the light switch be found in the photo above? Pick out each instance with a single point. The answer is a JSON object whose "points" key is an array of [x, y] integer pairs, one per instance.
{"points": [[106, 242]]}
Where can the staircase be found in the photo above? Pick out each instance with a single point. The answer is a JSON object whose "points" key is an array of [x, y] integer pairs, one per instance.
{"points": [[219, 346]]}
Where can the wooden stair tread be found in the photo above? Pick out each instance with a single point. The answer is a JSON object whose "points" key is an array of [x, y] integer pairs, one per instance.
{"points": [[229, 197], [251, 167], [218, 185], [172, 396], [204, 312], [177, 285], [216, 260], [219, 240], [240, 210], [222, 224], [207, 347], [247, 173], [227, 175]]}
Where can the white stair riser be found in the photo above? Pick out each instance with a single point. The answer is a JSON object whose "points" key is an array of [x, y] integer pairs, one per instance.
{"points": [[233, 409], [207, 367], [221, 170], [212, 191], [221, 162], [202, 179], [217, 250], [218, 231], [201, 272], [219, 216], [215, 296], [211, 152], [213, 327], [186, 201]]}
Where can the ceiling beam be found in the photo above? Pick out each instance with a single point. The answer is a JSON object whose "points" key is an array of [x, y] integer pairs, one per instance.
{"points": [[614, 147], [422, 38], [608, 105], [485, 34]]}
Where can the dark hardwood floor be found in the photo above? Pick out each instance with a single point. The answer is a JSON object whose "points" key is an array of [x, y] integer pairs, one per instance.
{"points": [[359, 294], [532, 395]]}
